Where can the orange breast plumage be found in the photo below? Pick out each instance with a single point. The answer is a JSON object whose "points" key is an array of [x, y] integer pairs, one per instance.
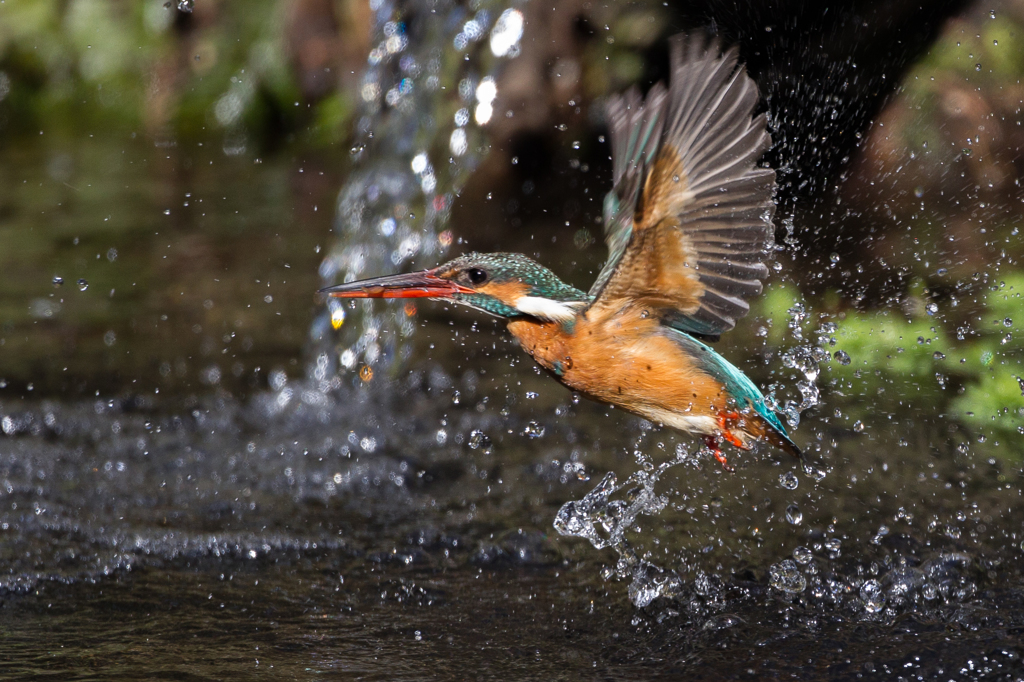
{"points": [[628, 360]]}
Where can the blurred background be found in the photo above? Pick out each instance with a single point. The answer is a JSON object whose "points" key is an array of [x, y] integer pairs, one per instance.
{"points": [[185, 165], [170, 159], [177, 179]]}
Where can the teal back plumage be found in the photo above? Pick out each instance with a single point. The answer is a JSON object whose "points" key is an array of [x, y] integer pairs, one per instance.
{"points": [[737, 385]]}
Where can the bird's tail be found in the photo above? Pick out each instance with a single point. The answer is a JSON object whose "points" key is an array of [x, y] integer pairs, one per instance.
{"points": [[784, 442]]}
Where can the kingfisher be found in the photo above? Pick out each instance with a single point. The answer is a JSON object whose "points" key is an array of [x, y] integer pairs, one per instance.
{"points": [[688, 225]]}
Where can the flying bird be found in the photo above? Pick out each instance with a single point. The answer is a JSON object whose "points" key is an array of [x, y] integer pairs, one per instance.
{"points": [[688, 224]]}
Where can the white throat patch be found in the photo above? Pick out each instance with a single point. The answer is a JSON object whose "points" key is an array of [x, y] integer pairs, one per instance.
{"points": [[546, 309]]}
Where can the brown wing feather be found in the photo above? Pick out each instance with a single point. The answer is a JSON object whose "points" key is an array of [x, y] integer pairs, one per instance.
{"points": [[702, 221]]}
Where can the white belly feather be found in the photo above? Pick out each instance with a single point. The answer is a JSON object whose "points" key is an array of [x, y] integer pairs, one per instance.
{"points": [[690, 423]]}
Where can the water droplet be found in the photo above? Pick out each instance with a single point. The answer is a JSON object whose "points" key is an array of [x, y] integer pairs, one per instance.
{"points": [[931, 308], [337, 315], [507, 31], [833, 545], [834, 257], [82, 285], [789, 481], [815, 472], [531, 395], [858, 426], [533, 430], [938, 355], [871, 594], [456, 398], [58, 281], [977, 67], [277, 379], [1007, 322], [366, 373], [802, 555], [210, 375], [477, 439], [842, 357], [786, 576], [167, 211], [794, 515], [577, 469], [186, 6]]}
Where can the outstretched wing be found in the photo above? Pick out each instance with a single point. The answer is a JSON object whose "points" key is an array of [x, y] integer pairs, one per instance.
{"points": [[689, 220]]}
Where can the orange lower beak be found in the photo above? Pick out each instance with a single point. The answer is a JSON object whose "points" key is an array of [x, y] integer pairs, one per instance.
{"points": [[425, 284]]}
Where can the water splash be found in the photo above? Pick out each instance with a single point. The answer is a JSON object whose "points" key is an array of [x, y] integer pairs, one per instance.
{"points": [[786, 577], [417, 143], [806, 357], [604, 522]]}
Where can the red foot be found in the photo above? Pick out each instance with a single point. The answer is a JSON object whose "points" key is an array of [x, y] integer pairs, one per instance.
{"points": [[726, 420], [713, 443]]}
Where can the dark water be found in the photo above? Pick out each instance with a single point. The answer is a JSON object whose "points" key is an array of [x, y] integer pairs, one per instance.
{"points": [[195, 483], [180, 266], [236, 540]]}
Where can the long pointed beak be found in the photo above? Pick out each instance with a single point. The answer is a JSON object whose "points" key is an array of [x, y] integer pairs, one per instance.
{"points": [[425, 284]]}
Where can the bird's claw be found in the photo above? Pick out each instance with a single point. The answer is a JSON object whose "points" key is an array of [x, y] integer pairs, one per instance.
{"points": [[727, 421], [713, 443]]}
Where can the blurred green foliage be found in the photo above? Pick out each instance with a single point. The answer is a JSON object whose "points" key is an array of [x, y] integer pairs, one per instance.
{"points": [[995, 400], [76, 65], [241, 69], [887, 360]]}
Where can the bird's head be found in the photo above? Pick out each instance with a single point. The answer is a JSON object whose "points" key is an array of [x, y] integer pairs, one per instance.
{"points": [[503, 284]]}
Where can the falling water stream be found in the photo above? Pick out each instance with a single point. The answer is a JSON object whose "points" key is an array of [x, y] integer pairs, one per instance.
{"points": [[387, 491]]}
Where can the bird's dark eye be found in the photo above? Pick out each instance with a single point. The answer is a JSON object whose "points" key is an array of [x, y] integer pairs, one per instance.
{"points": [[476, 275]]}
